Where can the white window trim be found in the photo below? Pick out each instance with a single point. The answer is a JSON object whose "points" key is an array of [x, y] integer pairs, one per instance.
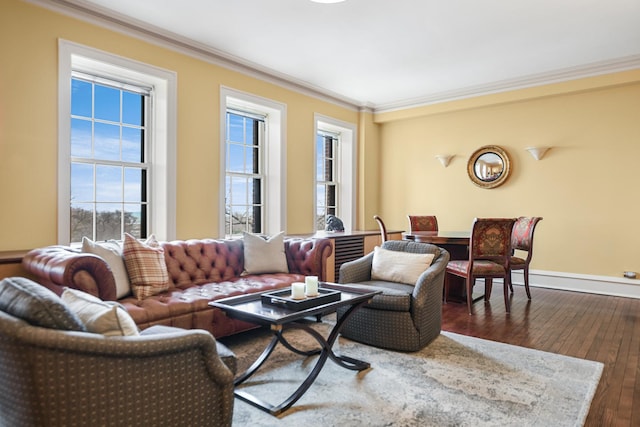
{"points": [[162, 116], [346, 168], [274, 155]]}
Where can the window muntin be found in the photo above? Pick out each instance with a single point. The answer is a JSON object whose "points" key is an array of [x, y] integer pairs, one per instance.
{"points": [[109, 174], [244, 186], [326, 177]]}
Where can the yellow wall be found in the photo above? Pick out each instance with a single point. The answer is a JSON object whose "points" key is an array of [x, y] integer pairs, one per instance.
{"points": [[585, 187], [28, 126]]}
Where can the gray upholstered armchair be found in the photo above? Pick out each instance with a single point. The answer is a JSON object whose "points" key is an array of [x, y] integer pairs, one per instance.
{"points": [[404, 317], [56, 377]]}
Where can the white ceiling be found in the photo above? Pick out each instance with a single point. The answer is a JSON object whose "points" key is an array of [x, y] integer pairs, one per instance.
{"points": [[386, 54]]}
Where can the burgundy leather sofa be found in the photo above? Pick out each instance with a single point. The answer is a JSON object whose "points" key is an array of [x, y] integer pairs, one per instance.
{"points": [[200, 271]]}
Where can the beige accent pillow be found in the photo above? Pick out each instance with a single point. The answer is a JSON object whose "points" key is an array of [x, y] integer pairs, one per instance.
{"points": [[101, 317], [145, 265], [264, 255], [400, 267], [111, 252]]}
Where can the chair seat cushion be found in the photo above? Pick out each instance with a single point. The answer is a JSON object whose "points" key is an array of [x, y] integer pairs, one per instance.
{"points": [[517, 262], [228, 357], [480, 268], [394, 296]]}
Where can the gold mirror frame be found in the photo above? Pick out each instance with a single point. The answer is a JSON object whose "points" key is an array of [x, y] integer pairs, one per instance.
{"points": [[489, 166]]}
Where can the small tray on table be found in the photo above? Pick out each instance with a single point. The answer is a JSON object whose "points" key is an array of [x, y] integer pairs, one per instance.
{"points": [[282, 298]]}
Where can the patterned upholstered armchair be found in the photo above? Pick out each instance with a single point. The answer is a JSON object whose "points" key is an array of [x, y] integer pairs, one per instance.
{"points": [[58, 375], [405, 317]]}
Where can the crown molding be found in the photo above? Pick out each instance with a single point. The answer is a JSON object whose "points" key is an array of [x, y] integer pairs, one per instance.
{"points": [[557, 76], [105, 18], [89, 12]]}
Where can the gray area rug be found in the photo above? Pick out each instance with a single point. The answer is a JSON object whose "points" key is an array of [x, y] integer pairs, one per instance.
{"points": [[455, 381]]}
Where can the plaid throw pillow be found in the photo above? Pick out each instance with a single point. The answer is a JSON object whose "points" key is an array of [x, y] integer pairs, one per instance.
{"points": [[145, 265]]}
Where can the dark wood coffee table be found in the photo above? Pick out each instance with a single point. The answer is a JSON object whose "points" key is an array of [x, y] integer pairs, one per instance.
{"points": [[250, 308]]}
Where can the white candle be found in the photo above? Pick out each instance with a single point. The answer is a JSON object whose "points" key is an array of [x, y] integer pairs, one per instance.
{"points": [[311, 283], [297, 290]]}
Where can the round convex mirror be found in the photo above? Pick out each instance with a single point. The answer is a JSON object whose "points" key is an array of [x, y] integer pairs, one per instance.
{"points": [[489, 166]]}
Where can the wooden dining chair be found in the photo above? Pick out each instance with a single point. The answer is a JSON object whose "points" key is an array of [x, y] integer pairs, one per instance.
{"points": [[489, 255], [383, 229], [422, 223], [522, 240]]}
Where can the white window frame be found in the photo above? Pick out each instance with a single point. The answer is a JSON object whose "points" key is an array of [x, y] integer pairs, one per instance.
{"points": [[274, 156], [346, 168], [162, 132]]}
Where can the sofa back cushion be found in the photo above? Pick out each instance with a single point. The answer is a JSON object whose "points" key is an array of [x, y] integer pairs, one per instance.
{"points": [[37, 305], [200, 261]]}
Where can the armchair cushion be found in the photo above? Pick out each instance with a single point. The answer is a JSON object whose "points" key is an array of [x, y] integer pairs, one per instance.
{"points": [[37, 305], [227, 356], [146, 266], [397, 266], [264, 256], [102, 317]]}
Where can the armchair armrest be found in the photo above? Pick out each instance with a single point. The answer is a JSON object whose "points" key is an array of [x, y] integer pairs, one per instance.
{"points": [[58, 266], [171, 378], [358, 270], [308, 256], [430, 283]]}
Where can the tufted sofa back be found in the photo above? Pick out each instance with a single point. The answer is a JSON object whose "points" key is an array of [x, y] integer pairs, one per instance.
{"points": [[195, 262], [200, 261]]}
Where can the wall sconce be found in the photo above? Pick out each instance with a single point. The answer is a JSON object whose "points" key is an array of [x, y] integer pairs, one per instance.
{"points": [[444, 159], [537, 152]]}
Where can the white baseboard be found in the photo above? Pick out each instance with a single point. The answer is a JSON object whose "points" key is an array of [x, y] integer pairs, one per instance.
{"points": [[603, 285]]}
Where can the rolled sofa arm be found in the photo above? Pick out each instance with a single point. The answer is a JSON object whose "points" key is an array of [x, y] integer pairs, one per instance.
{"points": [[308, 256], [58, 266]]}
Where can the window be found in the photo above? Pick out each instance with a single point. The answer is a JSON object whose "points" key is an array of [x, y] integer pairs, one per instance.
{"points": [[116, 147], [253, 173], [244, 189], [335, 171], [326, 184], [108, 150]]}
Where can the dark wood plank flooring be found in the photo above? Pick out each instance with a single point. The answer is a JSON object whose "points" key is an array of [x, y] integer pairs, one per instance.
{"points": [[594, 327]]}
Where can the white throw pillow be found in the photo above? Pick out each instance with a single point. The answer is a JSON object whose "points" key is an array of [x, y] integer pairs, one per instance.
{"points": [[264, 255], [111, 252], [400, 267], [101, 317]]}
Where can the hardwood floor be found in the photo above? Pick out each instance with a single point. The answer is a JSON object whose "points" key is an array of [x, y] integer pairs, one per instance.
{"points": [[588, 326]]}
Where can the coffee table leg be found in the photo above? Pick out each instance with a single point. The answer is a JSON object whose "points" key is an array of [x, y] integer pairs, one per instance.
{"points": [[324, 352]]}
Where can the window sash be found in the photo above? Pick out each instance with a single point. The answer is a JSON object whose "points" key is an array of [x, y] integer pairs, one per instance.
{"points": [[108, 196], [246, 214], [326, 177]]}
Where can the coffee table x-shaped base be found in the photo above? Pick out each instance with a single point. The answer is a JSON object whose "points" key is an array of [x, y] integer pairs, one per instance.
{"points": [[325, 351]]}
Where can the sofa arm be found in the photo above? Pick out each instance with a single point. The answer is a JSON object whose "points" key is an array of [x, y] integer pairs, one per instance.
{"points": [[59, 266], [358, 270], [308, 256]]}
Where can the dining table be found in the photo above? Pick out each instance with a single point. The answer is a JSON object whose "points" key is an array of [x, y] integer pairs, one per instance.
{"points": [[457, 244]]}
